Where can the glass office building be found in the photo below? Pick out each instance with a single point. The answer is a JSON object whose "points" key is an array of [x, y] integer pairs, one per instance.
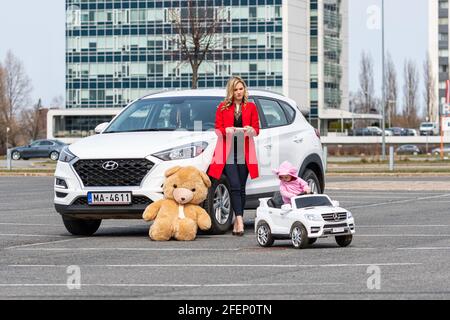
{"points": [[120, 50]]}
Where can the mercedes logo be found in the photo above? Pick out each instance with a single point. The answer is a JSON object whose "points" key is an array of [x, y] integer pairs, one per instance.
{"points": [[336, 216], [110, 166]]}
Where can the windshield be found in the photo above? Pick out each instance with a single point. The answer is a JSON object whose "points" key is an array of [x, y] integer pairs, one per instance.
{"points": [[167, 114], [313, 201]]}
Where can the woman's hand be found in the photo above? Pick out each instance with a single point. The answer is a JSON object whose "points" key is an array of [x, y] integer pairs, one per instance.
{"points": [[230, 130], [250, 131]]}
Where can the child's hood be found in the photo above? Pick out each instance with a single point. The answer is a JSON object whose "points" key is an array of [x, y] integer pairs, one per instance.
{"points": [[286, 169]]}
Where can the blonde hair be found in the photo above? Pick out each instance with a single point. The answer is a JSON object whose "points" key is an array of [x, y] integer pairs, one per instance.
{"points": [[232, 83]]}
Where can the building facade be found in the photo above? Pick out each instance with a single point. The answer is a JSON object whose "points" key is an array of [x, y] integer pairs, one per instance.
{"points": [[438, 50], [120, 50]]}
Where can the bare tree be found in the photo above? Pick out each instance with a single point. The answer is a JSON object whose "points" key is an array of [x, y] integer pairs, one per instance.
{"points": [[411, 94], [197, 26], [366, 90], [17, 88], [3, 122], [429, 92], [391, 88], [33, 122], [17, 85], [57, 102]]}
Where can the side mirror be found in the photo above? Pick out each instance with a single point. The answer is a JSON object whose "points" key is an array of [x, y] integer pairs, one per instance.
{"points": [[335, 203], [286, 208], [99, 129]]}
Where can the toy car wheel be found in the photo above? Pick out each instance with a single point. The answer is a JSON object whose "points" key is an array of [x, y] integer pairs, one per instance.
{"points": [[79, 227], [344, 241], [299, 236], [312, 240], [218, 206], [264, 235]]}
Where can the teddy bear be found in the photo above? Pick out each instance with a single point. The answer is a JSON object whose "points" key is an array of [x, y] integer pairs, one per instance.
{"points": [[179, 215]]}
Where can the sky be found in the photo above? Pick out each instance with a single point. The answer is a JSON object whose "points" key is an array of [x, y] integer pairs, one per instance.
{"points": [[34, 31]]}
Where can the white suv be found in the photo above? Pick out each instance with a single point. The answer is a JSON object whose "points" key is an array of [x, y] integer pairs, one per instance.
{"points": [[117, 173]]}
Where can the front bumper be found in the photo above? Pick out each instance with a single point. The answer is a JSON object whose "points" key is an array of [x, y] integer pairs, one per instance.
{"points": [[326, 229], [71, 199]]}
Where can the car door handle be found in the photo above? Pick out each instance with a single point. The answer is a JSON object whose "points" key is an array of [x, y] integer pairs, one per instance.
{"points": [[298, 140], [268, 146]]}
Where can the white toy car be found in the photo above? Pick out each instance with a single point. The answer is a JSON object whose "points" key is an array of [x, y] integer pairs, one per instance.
{"points": [[306, 219]]}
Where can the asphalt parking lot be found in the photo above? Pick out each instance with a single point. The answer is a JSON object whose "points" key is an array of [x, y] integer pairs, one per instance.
{"points": [[403, 234]]}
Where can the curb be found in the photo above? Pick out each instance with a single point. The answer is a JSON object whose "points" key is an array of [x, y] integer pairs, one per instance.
{"points": [[26, 174]]}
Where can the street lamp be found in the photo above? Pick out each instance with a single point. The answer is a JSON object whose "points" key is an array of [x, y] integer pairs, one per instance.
{"points": [[7, 134], [383, 106]]}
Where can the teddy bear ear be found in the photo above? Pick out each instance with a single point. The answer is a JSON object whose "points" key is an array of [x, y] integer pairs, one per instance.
{"points": [[205, 179], [172, 171]]}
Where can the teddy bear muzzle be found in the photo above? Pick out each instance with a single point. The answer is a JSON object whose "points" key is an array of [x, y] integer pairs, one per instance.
{"points": [[182, 195]]}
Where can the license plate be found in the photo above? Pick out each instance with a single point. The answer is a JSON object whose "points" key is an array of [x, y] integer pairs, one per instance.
{"points": [[338, 230], [113, 198]]}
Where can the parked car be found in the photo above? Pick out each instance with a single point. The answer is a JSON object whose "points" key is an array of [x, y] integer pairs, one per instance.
{"points": [[397, 131], [412, 132], [429, 129], [128, 157], [408, 149], [364, 132], [437, 151], [39, 149], [305, 220], [375, 131]]}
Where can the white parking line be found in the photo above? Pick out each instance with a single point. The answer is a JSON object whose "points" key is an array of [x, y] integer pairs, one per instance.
{"points": [[426, 248], [168, 285], [29, 224], [30, 235], [122, 249], [404, 235], [43, 243], [290, 266], [407, 226], [400, 201]]}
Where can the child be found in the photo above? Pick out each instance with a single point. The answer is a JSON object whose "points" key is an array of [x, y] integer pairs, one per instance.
{"points": [[290, 184]]}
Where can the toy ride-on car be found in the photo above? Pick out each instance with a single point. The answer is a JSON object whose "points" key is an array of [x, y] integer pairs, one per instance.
{"points": [[306, 219]]}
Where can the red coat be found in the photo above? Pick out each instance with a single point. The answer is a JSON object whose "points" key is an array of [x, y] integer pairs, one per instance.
{"points": [[225, 119]]}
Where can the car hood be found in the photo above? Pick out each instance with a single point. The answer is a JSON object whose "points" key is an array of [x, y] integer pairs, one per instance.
{"points": [[323, 210], [135, 144]]}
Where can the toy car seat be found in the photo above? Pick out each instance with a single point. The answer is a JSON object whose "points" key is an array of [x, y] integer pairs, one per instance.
{"points": [[276, 201]]}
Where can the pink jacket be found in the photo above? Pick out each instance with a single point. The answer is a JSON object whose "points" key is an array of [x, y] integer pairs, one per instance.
{"points": [[294, 187]]}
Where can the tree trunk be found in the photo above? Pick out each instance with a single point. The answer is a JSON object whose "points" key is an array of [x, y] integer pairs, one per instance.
{"points": [[195, 68]]}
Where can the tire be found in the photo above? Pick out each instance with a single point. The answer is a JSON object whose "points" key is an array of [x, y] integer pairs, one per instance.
{"points": [[54, 155], [79, 227], [16, 155], [264, 234], [344, 241], [220, 211], [312, 241], [311, 178], [299, 236]]}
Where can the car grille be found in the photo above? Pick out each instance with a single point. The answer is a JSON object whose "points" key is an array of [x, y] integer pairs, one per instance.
{"points": [[340, 225], [130, 172], [342, 216], [136, 200]]}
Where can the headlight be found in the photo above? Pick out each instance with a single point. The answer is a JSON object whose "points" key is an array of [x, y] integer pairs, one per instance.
{"points": [[66, 155], [187, 151], [349, 215], [313, 217]]}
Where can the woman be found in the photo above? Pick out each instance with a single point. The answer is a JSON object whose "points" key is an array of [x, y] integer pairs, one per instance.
{"points": [[237, 122]]}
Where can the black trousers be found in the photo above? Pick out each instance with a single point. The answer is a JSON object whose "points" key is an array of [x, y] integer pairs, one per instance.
{"points": [[237, 177]]}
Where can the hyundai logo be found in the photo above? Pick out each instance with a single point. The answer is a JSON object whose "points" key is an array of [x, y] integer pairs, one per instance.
{"points": [[336, 216], [110, 166]]}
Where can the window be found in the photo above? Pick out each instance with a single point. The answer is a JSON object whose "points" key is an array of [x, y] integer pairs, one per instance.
{"points": [[46, 143], [289, 111], [273, 113]]}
